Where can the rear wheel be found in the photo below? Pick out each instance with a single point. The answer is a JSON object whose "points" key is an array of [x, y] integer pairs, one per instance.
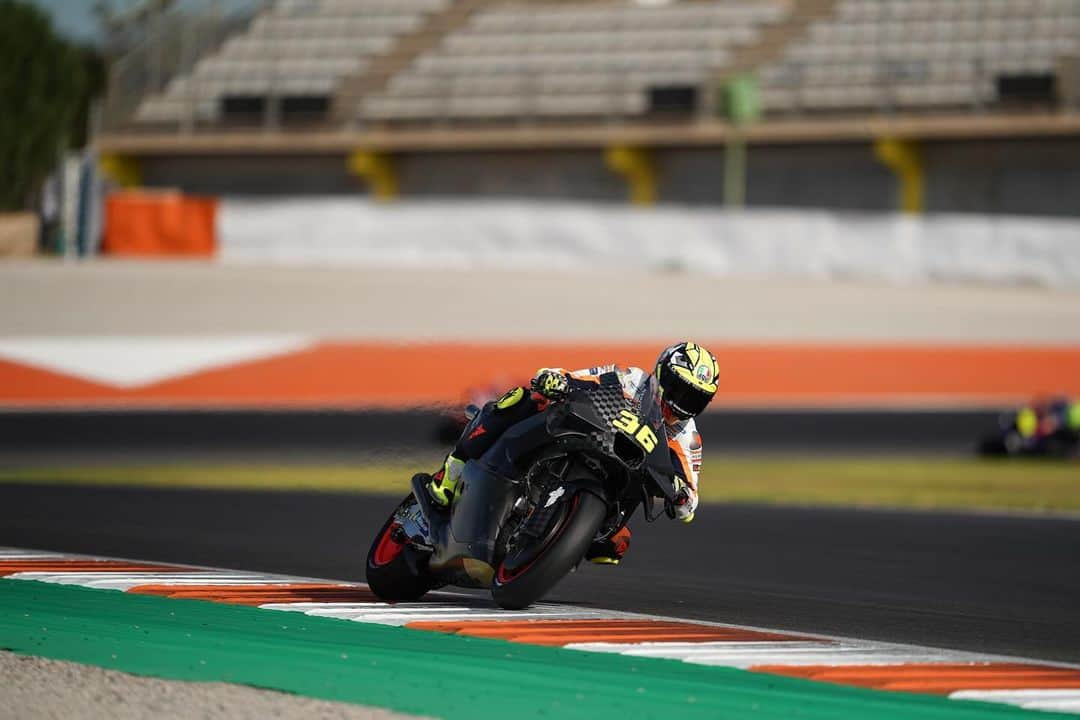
{"points": [[395, 570], [525, 575]]}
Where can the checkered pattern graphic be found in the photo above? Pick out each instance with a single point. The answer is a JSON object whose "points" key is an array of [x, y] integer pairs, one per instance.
{"points": [[608, 399]]}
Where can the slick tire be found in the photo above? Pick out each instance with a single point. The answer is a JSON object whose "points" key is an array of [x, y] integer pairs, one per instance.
{"points": [[514, 589], [394, 571]]}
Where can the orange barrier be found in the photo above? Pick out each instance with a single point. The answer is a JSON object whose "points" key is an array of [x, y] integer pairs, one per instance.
{"points": [[392, 375], [160, 224]]}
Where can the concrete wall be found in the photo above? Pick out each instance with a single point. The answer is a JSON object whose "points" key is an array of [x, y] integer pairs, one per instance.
{"points": [[1021, 177], [835, 177], [1039, 177], [251, 175], [499, 233], [548, 174]]}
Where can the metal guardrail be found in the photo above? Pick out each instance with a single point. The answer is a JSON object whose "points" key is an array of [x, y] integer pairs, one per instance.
{"points": [[168, 43]]}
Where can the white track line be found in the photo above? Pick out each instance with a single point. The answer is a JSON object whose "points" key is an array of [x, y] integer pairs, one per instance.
{"points": [[400, 614], [1052, 700], [749, 654], [126, 581]]}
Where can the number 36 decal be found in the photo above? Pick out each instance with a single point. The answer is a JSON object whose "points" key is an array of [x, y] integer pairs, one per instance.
{"points": [[631, 424]]}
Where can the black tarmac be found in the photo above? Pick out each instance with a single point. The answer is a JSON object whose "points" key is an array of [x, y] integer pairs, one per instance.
{"points": [[991, 583], [36, 436]]}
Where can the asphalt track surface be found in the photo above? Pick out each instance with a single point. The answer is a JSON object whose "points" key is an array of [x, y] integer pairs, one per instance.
{"points": [[58, 436], [990, 583]]}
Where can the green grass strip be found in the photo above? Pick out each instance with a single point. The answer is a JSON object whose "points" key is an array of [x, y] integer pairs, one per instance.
{"points": [[419, 672], [883, 482]]}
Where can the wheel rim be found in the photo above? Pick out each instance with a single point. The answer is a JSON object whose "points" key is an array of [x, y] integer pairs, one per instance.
{"points": [[505, 575], [388, 548]]}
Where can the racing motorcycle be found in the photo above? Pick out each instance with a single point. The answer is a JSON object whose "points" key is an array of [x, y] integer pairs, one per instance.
{"points": [[526, 512], [1042, 429]]}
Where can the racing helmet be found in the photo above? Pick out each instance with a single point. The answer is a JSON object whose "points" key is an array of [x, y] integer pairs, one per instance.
{"points": [[687, 375]]}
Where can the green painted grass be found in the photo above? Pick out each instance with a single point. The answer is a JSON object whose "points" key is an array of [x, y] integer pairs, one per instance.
{"points": [[885, 482], [419, 672]]}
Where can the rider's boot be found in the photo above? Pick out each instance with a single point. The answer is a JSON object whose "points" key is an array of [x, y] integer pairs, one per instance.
{"points": [[445, 480], [609, 550]]}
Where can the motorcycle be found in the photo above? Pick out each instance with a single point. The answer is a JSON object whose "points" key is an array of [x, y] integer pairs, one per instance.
{"points": [[526, 512], [1044, 429]]}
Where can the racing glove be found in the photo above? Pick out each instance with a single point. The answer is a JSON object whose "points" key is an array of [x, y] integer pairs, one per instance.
{"points": [[552, 384], [679, 507]]}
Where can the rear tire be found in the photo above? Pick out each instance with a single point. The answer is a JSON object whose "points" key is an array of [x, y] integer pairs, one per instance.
{"points": [[514, 589], [395, 571]]}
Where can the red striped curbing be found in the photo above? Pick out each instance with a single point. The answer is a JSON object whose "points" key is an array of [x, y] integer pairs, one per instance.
{"points": [[881, 666], [261, 594], [938, 678], [71, 565], [565, 632]]}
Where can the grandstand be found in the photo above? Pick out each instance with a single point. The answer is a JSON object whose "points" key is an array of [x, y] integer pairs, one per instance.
{"points": [[293, 49], [566, 60], [965, 105], [920, 54], [359, 62]]}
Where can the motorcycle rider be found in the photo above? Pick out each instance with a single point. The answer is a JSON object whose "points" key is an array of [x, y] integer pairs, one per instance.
{"points": [[686, 374]]}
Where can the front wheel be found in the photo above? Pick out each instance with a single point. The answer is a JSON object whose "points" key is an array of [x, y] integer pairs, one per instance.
{"points": [[394, 571], [524, 577]]}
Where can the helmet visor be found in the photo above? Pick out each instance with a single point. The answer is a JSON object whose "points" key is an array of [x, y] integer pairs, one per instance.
{"points": [[686, 400]]}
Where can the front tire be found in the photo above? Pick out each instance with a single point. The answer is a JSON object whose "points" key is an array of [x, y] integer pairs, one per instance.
{"points": [[517, 587], [394, 571]]}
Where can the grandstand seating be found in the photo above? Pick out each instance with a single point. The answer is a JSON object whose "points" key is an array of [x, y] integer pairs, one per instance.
{"points": [[294, 47], [570, 59], [912, 54], [598, 58]]}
